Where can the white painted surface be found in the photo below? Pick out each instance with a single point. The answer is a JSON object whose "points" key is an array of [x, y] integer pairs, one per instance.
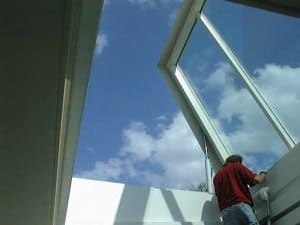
{"points": [[92, 202], [283, 180], [104, 203]]}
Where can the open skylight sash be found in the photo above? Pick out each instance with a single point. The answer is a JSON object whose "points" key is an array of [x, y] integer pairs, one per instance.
{"points": [[241, 71], [202, 116], [182, 90], [184, 26]]}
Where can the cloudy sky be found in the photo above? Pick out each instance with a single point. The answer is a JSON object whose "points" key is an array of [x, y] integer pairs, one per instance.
{"points": [[132, 129]]}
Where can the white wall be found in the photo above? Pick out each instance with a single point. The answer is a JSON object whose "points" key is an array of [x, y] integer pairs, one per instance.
{"points": [[104, 203], [283, 180]]}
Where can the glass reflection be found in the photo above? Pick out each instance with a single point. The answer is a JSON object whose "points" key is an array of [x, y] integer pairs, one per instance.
{"points": [[268, 45], [242, 125]]}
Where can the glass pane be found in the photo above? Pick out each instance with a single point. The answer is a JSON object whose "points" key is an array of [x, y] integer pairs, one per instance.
{"points": [[241, 123], [268, 45]]}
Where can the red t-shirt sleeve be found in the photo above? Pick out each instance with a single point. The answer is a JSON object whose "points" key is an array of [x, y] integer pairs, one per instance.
{"points": [[247, 174]]}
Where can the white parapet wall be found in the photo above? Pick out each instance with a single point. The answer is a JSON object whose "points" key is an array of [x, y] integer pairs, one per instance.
{"points": [[104, 203], [283, 179]]}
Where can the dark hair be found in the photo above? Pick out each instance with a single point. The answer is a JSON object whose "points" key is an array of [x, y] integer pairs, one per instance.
{"points": [[233, 159]]}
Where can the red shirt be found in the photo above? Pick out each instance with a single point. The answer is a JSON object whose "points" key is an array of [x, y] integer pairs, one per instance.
{"points": [[231, 185]]}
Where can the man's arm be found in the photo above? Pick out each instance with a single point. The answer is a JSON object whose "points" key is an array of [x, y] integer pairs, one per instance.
{"points": [[259, 178]]}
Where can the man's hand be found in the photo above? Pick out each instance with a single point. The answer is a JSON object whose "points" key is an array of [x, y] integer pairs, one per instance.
{"points": [[260, 177], [263, 172]]}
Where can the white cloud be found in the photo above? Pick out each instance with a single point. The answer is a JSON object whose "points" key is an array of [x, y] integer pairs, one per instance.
{"points": [[281, 87], [106, 2], [150, 3], [109, 170], [174, 151], [220, 76], [101, 43], [172, 17], [154, 3], [253, 134], [137, 142]]}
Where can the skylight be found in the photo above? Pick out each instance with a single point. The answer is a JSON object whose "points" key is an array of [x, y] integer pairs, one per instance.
{"points": [[268, 46], [235, 71], [238, 119]]}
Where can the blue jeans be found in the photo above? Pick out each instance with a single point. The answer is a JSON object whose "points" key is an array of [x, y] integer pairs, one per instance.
{"points": [[239, 214]]}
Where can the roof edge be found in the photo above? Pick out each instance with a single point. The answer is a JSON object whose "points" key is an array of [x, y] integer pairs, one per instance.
{"points": [[82, 21]]}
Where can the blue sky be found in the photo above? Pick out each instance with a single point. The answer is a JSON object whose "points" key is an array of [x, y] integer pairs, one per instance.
{"points": [[132, 130], [130, 113]]}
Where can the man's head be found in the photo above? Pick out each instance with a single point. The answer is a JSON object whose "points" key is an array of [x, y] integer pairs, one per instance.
{"points": [[233, 159]]}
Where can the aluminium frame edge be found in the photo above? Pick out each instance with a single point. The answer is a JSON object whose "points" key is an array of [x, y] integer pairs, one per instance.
{"points": [[168, 63]]}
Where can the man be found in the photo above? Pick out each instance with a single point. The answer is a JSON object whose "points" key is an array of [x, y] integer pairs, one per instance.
{"points": [[231, 188]]}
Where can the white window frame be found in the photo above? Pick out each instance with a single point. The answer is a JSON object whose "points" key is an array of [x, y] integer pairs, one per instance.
{"points": [[193, 110]]}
